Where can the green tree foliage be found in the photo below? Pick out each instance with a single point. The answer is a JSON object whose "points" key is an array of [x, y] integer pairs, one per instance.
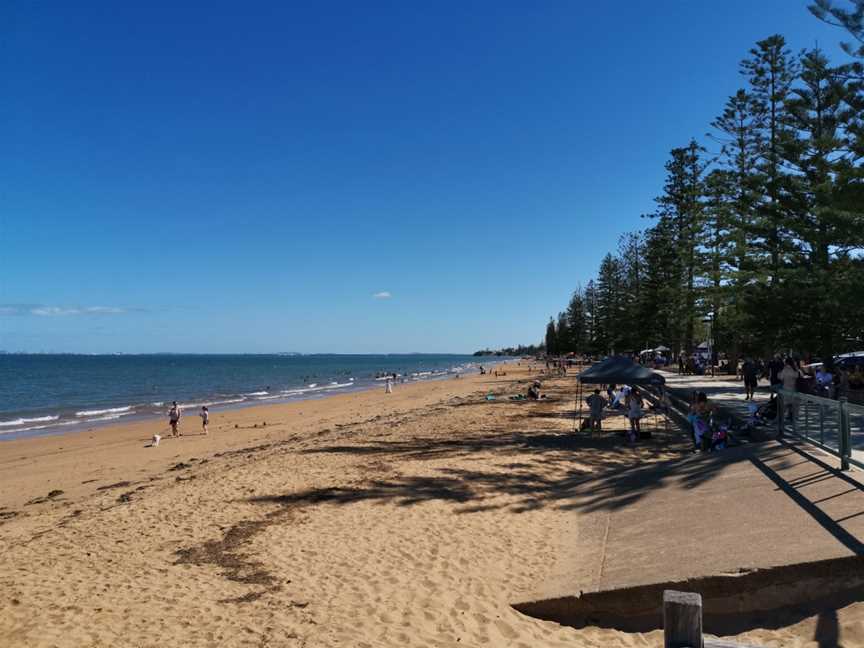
{"points": [[771, 70], [551, 338], [767, 237], [682, 203], [852, 19], [577, 322]]}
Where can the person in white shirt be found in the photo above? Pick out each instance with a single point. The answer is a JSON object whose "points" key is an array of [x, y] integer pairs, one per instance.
{"points": [[789, 378]]}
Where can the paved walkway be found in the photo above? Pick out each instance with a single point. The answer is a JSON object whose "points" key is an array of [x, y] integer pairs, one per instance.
{"points": [[748, 508], [727, 392]]}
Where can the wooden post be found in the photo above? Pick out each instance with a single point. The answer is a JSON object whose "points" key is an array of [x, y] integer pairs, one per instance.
{"points": [[682, 619]]}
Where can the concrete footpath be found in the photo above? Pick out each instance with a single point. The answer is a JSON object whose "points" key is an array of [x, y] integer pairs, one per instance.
{"points": [[725, 391], [730, 513], [746, 508]]}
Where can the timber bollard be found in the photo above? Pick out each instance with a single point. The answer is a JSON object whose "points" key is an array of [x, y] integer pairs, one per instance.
{"points": [[682, 619]]}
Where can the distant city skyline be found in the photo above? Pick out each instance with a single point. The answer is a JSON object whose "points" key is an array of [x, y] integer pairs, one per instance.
{"points": [[383, 179]]}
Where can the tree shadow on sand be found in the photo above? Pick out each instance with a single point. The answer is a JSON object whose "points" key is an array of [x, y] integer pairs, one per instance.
{"points": [[524, 471]]}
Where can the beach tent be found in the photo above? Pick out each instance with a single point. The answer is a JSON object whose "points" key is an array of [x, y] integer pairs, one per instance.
{"points": [[617, 370]]}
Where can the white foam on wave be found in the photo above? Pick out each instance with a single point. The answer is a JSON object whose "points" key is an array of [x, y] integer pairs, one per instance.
{"points": [[110, 410], [211, 403], [299, 391], [336, 385], [258, 393], [24, 421], [38, 427]]}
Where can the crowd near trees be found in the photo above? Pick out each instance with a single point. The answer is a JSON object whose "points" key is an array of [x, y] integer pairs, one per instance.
{"points": [[758, 232]]}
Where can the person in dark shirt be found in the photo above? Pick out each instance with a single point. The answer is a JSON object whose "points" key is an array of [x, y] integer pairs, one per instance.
{"points": [[775, 366], [750, 372]]}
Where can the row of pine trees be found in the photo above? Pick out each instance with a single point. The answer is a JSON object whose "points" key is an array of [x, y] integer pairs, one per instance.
{"points": [[759, 239]]}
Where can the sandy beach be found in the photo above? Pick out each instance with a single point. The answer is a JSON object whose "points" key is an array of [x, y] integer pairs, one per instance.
{"points": [[410, 519]]}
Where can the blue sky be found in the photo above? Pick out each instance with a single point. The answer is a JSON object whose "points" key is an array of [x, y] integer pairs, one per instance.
{"points": [[247, 177]]}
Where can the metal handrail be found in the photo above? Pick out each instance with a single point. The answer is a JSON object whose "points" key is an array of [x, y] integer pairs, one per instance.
{"points": [[832, 414]]}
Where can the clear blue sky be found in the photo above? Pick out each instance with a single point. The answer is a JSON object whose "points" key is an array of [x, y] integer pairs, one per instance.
{"points": [[245, 176]]}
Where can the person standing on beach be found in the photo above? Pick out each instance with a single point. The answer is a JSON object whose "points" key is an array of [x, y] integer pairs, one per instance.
{"points": [[634, 413], [205, 418], [388, 387], [596, 403], [174, 419]]}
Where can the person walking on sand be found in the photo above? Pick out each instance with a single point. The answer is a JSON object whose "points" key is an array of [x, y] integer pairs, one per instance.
{"points": [[174, 419], [205, 418], [388, 387]]}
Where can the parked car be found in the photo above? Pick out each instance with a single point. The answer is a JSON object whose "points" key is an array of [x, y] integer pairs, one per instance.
{"points": [[850, 360]]}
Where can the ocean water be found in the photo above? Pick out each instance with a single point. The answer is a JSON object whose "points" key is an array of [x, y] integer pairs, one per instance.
{"points": [[49, 394]]}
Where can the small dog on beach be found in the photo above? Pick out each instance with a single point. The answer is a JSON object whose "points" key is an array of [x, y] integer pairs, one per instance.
{"points": [[155, 441]]}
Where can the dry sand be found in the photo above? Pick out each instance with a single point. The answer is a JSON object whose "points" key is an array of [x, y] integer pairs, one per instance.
{"points": [[409, 519]]}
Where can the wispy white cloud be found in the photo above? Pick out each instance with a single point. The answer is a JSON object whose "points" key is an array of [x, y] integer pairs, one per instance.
{"points": [[41, 310], [105, 309], [54, 311], [382, 295]]}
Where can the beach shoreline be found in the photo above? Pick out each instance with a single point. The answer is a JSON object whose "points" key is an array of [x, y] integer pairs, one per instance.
{"points": [[97, 446], [92, 413]]}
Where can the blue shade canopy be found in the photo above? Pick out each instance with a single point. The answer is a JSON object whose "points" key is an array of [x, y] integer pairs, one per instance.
{"points": [[620, 370]]}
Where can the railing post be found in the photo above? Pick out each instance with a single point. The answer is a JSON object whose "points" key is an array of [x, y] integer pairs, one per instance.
{"points": [[781, 414], [845, 434], [822, 424], [795, 410]]}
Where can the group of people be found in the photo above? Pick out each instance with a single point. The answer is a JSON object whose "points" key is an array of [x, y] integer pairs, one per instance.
{"points": [[631, 401], [176, 413], [696, 364], [705, 433], [828, 380]]}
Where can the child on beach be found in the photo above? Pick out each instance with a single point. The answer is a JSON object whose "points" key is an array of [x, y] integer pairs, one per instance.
{"points": [[174, 419], [205, 418]]}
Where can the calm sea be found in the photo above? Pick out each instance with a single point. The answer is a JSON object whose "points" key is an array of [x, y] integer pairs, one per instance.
{"points": [[47, 394]]}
